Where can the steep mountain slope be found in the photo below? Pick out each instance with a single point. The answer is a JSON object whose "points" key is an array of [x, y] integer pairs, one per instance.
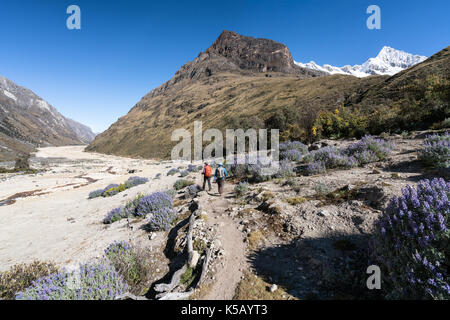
{"points": [[27, 121], [236, 76], [231, 80], [389, 61]]}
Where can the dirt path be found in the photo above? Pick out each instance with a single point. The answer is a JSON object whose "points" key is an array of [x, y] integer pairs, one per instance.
{"points": [[234, 263]]}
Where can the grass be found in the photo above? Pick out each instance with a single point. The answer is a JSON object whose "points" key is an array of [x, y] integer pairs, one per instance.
{"points": [[254, 238], [268, 195], [14, 170], [255, 288], [188, 277], [293, 201]]}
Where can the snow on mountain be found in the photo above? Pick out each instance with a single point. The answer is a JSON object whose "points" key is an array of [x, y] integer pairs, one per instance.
{"points": [[389, 61]]}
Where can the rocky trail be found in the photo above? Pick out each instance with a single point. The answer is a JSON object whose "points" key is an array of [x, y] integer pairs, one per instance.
{"points": [[235, 262]]}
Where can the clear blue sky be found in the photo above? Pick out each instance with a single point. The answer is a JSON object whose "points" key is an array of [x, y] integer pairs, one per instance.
{"points": [[126, 48]]}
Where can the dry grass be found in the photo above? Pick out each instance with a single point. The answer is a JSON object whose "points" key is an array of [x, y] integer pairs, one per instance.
{"points": [[254, 239], [254, 288], [293, 201]]}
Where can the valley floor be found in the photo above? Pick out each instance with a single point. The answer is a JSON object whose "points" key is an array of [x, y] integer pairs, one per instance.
{"points": [[304, 237], [48, 215]]}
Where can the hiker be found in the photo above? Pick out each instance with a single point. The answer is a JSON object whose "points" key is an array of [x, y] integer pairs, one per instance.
{"points": [[219, 176], [207, 170]]}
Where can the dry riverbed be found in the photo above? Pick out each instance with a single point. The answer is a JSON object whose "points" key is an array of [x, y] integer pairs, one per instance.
{"points": [[48, 215]]}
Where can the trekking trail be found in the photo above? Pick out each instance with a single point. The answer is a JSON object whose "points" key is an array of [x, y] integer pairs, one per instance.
{"points": [[230, 270]]}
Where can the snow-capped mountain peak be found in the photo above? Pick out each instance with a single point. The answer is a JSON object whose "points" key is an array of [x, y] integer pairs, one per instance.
{"points": [[389, 61]]}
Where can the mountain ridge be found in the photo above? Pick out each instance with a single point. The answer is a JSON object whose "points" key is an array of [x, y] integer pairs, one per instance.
{"points": [[28, 121], [389, 61]]}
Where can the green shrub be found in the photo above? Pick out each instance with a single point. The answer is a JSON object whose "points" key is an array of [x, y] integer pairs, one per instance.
{"points": [[240, 189], [182, 183], [133, 263]]}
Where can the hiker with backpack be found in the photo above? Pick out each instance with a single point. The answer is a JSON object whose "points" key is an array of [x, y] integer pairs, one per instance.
{"points": [[219, 176], [207, 170]]}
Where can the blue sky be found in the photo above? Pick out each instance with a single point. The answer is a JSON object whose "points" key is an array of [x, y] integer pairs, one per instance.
{"points": [[126, 48]]}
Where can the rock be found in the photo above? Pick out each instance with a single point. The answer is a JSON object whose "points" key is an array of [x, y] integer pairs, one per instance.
{"points": [[324, 213], [376, 171], [194, 259], [152, 236], [273, 288]]}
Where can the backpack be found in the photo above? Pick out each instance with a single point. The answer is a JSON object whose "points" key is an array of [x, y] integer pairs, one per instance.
{"points": [[208, 170], [220, 173]]}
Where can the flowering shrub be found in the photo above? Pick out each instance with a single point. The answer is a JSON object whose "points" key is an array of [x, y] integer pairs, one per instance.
{"points": [[293, 145], [114, 215], [369, 149], [260, 169], [332, 158], [285, 170], [411, 242], [173, 171], [293, 150], [132, 262], [240, 189], [21, 276], [292, 155], [193, 168], [161, 219], [113, 189], [154, 202], [122, 257], [96, 193], [182, 183], [316, 167], [436, 151], [96, 282], [135, 181]]}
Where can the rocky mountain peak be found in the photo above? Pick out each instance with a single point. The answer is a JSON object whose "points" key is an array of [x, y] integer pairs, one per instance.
{"points": [[235, 53], [255, 54]]}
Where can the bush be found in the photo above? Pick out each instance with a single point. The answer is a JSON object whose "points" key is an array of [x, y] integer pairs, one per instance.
{"points": [[194, 168], [184, 173], [240, 189], [97, 282], [161, 219], [369, 149], [113, 189], [95, 193], [192, 190], [316, 167], [153, 203], [135, 181], [171, 192], [292, 150], [173, 171], [131, 262], [411, 242], [260, 169], [182, 183], [21, 276], [343, 122], [333, 158], [115, 215], [436, 151]]}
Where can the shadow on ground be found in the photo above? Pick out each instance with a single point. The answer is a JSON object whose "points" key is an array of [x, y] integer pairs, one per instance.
{"points": [[332, 267]]}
